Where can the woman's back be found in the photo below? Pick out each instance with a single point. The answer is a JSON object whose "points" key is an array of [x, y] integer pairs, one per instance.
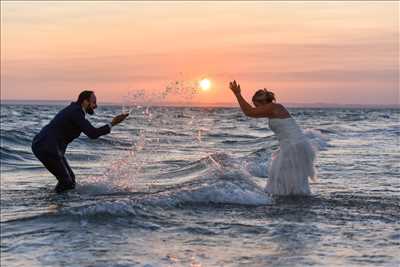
{"points": [[286, 130], [278, 111]]}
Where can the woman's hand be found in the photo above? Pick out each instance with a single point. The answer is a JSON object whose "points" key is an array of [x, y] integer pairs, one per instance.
{"points": [[235, 87]]}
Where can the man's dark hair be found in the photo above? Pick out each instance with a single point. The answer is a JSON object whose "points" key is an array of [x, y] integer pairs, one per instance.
{"points": [[85, 95]]}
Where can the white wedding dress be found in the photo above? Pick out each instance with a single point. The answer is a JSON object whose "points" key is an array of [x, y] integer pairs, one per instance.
{"points": [[293, 164]]}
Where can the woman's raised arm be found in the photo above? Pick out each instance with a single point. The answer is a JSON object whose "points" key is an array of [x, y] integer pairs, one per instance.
{"points": [[249, 110]]}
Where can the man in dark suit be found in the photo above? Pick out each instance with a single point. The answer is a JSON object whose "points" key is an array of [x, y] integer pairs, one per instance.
{"points": [[50, 143]]}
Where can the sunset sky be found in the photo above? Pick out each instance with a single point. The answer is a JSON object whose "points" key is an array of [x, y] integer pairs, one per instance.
{"points": [[334, 52]]}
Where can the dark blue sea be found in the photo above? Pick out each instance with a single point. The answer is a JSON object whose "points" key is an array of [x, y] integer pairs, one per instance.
{"points": [[175, 186]]}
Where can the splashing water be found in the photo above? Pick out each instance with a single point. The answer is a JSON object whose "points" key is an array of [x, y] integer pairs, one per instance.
{"points": [[182, 88], [122, 172]]}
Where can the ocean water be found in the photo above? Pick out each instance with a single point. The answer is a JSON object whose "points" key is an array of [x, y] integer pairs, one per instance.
{"points": [[184, 187]]}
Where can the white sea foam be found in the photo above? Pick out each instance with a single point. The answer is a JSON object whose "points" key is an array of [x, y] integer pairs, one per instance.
{"points": [[236, 190], [224, 181], [225, 191], [317, 139]]}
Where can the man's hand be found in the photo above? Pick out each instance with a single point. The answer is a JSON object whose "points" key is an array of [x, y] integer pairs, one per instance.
{"points": [[119, 118], [235, 87]]}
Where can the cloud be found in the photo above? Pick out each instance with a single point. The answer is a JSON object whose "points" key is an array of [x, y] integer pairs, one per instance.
{"points": [[328, 75], [105, 69]]}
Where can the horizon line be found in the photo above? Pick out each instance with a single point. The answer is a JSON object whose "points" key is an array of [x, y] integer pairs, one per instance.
{"points": [[200, 104]]}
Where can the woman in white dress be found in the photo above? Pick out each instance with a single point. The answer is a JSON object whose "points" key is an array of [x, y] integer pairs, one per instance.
{"points": [[293, 164]]}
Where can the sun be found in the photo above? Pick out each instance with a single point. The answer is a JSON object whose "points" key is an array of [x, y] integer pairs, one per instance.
{"points": [[205, 84]]}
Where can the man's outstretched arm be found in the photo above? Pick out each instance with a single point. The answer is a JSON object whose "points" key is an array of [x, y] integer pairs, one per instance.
{"points": [[87, 128], [93, 132]]}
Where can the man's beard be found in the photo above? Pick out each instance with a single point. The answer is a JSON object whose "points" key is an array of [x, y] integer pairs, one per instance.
{"points": [[89, 111]]}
